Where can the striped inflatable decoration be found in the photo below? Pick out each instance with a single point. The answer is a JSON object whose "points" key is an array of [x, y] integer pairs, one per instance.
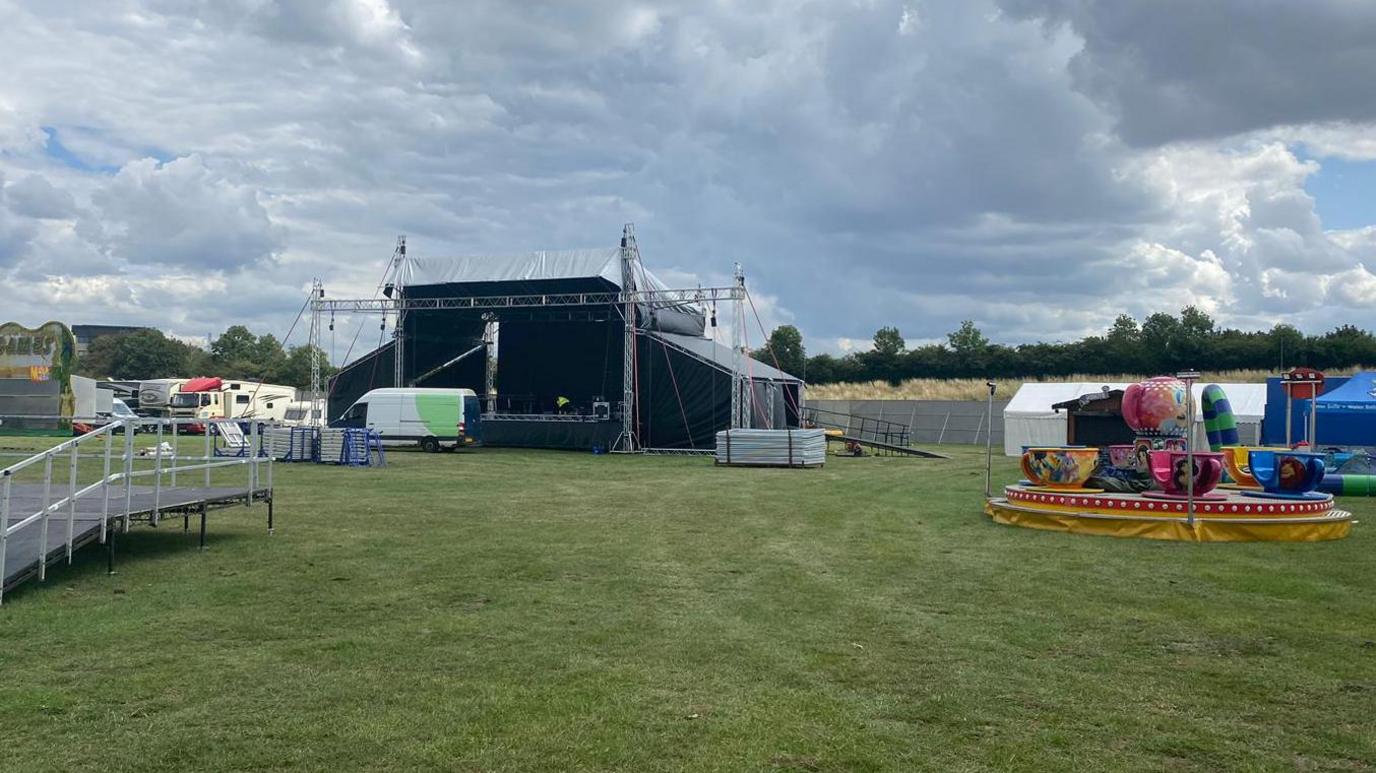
{"points": [[1219, 423]]}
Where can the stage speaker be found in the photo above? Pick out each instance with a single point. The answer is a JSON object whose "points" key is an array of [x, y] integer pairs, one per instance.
{"points": [[602, 411]]}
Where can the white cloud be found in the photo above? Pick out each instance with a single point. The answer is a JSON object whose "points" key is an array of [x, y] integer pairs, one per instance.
{"points": [[1037, 166], [183, 214]]}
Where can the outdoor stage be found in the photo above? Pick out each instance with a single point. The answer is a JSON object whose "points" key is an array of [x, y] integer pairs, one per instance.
{"points": [[1227, 515]]}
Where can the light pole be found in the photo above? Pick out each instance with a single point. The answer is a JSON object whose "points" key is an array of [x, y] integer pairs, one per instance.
{"points": [[989, 444], [1189, 377]]}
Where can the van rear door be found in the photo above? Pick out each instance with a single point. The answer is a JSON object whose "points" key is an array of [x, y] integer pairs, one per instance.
{"points": [[472, 420]]}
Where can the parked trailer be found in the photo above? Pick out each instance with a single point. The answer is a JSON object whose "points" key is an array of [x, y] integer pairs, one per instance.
{"points": [[155, 396]]}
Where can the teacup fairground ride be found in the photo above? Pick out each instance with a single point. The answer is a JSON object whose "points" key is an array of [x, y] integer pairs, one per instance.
{"points": [[1157, 412], [1188, 507]]}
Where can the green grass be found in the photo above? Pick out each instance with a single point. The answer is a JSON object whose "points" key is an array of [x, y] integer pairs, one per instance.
{"points": [[507, 610]]}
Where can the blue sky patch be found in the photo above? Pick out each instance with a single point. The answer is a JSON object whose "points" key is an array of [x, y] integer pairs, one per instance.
{"points": [[1344, 193], [59, 152]]}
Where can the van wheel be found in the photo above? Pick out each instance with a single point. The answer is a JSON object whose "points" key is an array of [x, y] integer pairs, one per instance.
{"points": [[430, 445]]}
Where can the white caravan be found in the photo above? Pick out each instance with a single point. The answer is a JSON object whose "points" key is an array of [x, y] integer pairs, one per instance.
{"points": [[299, 414], [155, 395]]}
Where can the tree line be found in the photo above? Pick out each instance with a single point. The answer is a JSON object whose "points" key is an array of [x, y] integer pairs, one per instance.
{"points": [[1161, 343], [236, 354]]}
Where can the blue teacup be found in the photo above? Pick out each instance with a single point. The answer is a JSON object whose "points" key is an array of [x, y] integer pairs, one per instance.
{"points": [[1290, 473]]}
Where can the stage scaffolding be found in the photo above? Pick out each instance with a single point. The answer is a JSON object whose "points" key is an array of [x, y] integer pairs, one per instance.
{"points": [[626, 301]]}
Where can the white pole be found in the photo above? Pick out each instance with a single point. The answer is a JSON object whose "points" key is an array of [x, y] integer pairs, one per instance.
{"points": [[208, 426], [72, 465], [1313, 416], [47, 507], [128, 475], [105, 482], [1189, 378], [4, 530], [173, 473], [157, 476]]}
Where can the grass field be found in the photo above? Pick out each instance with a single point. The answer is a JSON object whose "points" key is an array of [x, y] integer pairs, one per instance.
{"points": [[522, 611]]}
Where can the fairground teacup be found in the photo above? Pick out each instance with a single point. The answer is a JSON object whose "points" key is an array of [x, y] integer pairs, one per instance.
{"points": [[1171, 471], [1287, 472], [1121, 456], [1066, 468], [1236, 460]]}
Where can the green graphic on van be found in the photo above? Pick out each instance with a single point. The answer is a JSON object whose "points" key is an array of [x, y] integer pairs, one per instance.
{"points": [[439, 414]]}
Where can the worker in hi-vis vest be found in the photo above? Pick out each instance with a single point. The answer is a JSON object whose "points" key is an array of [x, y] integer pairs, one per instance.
{"points": [[561, 403]]}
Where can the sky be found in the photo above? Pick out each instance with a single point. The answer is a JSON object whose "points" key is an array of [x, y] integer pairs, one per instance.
{"points": [[1037, 166]]}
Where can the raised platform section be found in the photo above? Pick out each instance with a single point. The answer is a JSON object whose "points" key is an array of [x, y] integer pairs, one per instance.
{"points": [[1234, 517], [50, 538]]}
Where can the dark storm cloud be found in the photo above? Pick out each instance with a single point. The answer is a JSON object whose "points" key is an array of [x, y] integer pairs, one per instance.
{"points": [[1186, 70]]}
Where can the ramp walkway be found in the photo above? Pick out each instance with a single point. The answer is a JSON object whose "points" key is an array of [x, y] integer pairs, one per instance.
{"points": [[886, 437], [49, 509]]}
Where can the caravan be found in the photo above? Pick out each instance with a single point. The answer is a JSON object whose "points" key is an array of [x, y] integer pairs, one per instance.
{"points": [[215, 398], [433, 418], [155, 396]]}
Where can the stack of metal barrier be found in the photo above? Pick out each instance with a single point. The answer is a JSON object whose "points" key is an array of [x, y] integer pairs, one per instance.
{"points": [[772, 447]]}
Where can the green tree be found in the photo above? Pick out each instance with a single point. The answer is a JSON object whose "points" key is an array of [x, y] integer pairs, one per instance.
{"points": [[148, 354], [99, 359], [237, 344], [786, 346], [1160, 343], [296, 367], [967, 340], [888, 342], [1287, 345]]}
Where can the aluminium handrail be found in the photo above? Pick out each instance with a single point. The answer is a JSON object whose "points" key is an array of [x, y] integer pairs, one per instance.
{"points": [[126, 475]]}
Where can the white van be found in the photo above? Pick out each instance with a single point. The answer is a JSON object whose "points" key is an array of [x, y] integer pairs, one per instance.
{"points": [[433, 418]]}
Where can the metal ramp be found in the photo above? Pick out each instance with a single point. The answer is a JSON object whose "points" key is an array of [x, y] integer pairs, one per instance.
{"points": [[886, 437], [49, 509], [887, 448]]}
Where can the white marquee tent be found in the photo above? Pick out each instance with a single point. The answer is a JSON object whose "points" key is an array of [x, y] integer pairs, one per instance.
{"points": [[1029, 421]]}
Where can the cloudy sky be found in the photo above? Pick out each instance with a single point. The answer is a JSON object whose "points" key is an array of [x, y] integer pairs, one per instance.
{"points": [[1039, 166]]}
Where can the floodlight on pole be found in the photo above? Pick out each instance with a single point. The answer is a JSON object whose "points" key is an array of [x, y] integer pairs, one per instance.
{"points": [[989, 444]]}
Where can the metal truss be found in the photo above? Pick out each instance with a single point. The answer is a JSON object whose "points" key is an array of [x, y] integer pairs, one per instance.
{"points": [[657, 298]]}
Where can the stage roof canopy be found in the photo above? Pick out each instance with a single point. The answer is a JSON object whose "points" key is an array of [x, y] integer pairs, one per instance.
{"points": [[526, 267]]}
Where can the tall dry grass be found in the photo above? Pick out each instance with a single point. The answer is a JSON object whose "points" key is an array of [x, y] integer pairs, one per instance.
{"points": [[975, 389]]}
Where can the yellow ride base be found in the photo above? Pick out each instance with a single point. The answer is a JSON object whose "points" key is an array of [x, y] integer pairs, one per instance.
{"points": [[1238, 519]]}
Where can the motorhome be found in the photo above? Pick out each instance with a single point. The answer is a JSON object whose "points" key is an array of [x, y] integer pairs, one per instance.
{"points": [[434, 419], [155, 396], [215, 398]]}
